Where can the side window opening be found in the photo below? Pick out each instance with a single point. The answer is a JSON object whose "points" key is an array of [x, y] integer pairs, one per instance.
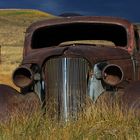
{"points": [[136, 40]]}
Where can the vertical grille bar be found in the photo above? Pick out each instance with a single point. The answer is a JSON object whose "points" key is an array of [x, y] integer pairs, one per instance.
{"points": [[66, 86]]}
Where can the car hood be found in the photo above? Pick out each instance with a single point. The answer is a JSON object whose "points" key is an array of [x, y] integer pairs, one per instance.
{"points": [[92, 53]]}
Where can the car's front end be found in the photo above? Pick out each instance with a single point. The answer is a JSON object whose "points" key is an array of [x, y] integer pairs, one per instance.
{"points": [[68, 62]]}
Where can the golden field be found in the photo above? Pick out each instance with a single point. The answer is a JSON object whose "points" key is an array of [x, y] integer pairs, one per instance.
{"points": [[97, 124], [10, 59]]}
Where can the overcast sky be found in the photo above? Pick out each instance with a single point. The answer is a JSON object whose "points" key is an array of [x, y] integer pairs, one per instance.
{"points": [[129, 9]]}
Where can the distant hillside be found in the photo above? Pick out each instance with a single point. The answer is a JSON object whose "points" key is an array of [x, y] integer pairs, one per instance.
{"points": [[138, 25], [13, 24]]}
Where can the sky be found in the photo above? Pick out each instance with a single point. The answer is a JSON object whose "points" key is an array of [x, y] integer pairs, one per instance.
{"points": [[129, 9]]}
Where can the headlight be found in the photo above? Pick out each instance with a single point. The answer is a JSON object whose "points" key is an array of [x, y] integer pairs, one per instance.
{"points": [[22, 77], [112, 74]]}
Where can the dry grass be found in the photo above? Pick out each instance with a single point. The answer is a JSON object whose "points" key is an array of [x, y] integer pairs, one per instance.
{"points": [[10, 59], [99, 124]]}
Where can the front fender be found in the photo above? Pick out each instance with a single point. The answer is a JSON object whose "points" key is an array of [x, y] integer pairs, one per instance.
{"points": [[14, 103], [130, 99]]}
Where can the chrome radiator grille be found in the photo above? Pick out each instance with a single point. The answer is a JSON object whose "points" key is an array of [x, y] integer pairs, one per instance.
{"points": [[65, 85]]}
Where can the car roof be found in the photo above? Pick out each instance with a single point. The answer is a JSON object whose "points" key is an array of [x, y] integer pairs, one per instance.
{"points": [[78, 19]]}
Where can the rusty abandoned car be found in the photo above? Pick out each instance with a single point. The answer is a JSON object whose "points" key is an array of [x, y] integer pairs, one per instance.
{"points": [[69, 59]]}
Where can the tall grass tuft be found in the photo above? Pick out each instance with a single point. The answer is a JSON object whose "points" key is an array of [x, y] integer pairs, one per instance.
{"points": [[97, 124]]}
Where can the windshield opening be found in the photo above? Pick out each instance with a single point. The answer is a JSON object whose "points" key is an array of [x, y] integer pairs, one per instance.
{"points": [[54, 35]]}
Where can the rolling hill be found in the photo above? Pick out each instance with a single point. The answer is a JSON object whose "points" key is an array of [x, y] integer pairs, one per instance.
{"points": [[13, 24]]}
